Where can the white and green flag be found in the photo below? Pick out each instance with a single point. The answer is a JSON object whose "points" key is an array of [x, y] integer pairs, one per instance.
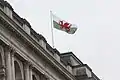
{"points": [[63, 25]]}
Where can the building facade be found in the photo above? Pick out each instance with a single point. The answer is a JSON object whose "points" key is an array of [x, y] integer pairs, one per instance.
{"points": [[26, 55]]}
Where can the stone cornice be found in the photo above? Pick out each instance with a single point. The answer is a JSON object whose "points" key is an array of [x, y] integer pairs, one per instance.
{"points": [[35, 44]]}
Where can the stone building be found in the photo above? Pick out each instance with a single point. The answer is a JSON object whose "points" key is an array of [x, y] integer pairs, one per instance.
{"points": [[26, 55]]}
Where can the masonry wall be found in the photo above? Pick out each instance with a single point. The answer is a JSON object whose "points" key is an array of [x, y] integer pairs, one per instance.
{"points": [[26, 55], [22, 53]]}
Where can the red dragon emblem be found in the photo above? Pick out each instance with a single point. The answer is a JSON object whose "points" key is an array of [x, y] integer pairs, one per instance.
{"points": [[65, 25]]}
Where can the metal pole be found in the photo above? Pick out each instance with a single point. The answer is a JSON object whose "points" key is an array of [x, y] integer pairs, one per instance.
{"points": [[52, 29]]}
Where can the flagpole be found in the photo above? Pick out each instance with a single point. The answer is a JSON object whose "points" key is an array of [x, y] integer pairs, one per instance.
{"points": [[52, 29]]}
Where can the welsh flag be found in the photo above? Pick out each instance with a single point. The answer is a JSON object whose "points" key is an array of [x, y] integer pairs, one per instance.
{"points": [[63, 25]]}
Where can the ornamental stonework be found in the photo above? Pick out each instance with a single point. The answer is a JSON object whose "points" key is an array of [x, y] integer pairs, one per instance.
{"points": [[26, 55]]}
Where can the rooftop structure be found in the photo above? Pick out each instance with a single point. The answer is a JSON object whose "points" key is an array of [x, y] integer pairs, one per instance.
{"points": [[26, 55]]}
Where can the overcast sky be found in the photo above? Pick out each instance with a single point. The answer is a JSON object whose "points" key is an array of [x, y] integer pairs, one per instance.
{"points": [[97, 40]]}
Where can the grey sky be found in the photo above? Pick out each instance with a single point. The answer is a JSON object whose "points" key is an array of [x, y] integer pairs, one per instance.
{"points": [[97, 40]]}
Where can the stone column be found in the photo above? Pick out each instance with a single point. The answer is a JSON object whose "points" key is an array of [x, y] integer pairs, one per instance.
{"points": [[26, 70], [30, 74], [13, 66], [2, 66], [8, 63]]}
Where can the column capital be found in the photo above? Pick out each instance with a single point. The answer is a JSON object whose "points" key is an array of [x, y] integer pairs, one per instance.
{"points": [[26, 62], [1, 48], [31, 66], [10, 50]]}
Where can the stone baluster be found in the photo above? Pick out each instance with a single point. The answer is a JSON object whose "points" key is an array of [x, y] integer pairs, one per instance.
{"points": [[8, 9]]}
